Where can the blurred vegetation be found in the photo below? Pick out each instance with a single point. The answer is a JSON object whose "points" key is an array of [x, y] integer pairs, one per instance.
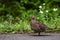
{"points": [[15, 14]]}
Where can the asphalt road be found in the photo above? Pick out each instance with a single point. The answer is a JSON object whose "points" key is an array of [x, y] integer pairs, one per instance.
{"points": [[43, 36]]}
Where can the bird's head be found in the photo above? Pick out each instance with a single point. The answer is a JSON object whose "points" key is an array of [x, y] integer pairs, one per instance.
{"points": [[32, 16]]}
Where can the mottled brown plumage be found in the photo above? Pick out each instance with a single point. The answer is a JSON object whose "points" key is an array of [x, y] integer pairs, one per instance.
{"points": [[37, 26]]}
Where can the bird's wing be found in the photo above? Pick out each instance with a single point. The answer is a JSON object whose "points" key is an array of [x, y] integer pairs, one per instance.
{"points": [[41, 25]]}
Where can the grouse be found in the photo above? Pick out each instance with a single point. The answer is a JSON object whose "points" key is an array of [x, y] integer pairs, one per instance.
{"points": [[37, 26]]}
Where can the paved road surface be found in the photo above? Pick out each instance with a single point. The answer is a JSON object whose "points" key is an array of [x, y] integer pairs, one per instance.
{"points": [[43, 36]]}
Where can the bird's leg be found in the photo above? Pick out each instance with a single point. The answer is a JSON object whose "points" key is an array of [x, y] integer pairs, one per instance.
{"points": [[39, 34]]}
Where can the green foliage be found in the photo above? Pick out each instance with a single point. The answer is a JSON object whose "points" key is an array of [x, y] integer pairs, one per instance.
{"points": [[15, 14], [57, 0]]}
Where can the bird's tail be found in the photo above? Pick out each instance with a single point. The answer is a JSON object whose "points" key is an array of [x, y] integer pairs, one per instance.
{"points": [[49, 28]]}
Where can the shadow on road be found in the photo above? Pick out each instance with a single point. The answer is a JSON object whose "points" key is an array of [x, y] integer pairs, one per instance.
{"points": [[40, 35]]}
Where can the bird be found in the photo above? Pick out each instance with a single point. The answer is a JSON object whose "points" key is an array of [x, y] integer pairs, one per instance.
{"points": [[37, 26]]}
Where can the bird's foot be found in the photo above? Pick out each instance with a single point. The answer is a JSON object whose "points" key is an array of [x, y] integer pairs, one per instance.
{"points": [[38, 34]]}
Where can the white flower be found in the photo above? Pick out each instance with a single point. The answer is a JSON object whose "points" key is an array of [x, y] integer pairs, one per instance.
{"points": [[55, 9], [40, 6], [41, 11], [47, 11], [43, 3]]}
